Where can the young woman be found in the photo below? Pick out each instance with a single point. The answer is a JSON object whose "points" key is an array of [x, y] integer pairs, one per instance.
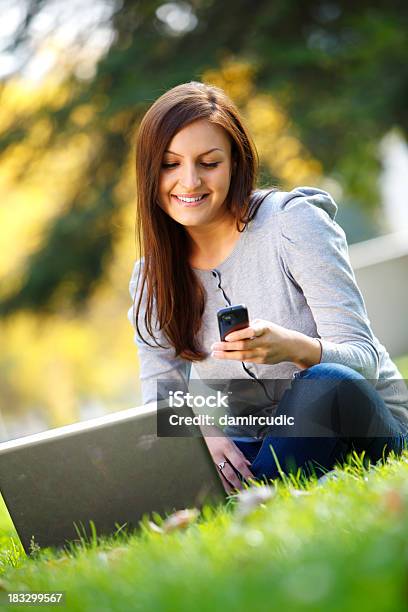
{"points": [[210, 240]]}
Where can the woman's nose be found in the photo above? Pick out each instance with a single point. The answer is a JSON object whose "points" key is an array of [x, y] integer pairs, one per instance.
{"points": [[190, 179]]}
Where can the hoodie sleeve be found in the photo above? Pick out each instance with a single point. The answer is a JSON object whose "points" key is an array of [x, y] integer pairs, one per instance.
{"points": [[155, 362], [315, 255]]}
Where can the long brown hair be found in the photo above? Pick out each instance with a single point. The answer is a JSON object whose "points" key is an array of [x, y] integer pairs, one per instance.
{"points": [[171, 284]]}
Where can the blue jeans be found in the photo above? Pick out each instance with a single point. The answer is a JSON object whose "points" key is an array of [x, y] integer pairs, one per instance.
{"points": [[342, 409]]}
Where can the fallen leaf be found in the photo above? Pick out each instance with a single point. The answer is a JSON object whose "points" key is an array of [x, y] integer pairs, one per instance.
{"points": [[252, 498], [180, 519], [393, 501]]}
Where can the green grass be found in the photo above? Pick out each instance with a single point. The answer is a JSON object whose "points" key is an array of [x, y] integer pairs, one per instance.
{"points": [[342, 544]]}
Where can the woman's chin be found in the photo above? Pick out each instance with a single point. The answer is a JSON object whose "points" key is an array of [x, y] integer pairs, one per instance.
{"points": [[188, 220]]}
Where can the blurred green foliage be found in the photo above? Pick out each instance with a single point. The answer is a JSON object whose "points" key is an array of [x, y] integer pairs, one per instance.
{"points": [[339, 69]]}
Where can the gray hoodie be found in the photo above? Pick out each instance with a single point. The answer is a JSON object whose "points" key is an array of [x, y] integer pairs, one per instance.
{"points": [[289, 266]]}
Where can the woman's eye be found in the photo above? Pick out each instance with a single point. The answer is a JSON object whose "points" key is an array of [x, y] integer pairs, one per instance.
{"points": [[211, 165]]}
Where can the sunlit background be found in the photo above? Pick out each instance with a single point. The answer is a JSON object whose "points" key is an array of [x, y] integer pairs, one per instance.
{"points": [[322, 86]]}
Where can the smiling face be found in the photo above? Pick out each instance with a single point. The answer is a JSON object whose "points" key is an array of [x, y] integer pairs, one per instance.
{"points": [[197, 162]]}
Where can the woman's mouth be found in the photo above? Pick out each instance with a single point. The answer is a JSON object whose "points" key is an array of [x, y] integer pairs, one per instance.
{"points": [[190, 202]]}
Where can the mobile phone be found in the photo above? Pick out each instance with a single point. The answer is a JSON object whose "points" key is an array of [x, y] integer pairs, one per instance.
{"points": [[231, 319]]}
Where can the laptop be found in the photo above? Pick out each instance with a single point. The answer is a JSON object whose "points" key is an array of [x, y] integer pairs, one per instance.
{"points": [[111, 470]]}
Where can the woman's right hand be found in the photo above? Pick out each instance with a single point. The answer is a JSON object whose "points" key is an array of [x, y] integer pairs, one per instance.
{"points": [[223, 449]]}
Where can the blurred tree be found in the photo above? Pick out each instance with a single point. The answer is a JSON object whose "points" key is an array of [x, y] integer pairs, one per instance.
{"points": [[338, 69]]}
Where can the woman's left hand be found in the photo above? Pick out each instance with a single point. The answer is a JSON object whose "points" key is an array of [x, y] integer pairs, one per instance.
{"points": [[261, 342]]}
